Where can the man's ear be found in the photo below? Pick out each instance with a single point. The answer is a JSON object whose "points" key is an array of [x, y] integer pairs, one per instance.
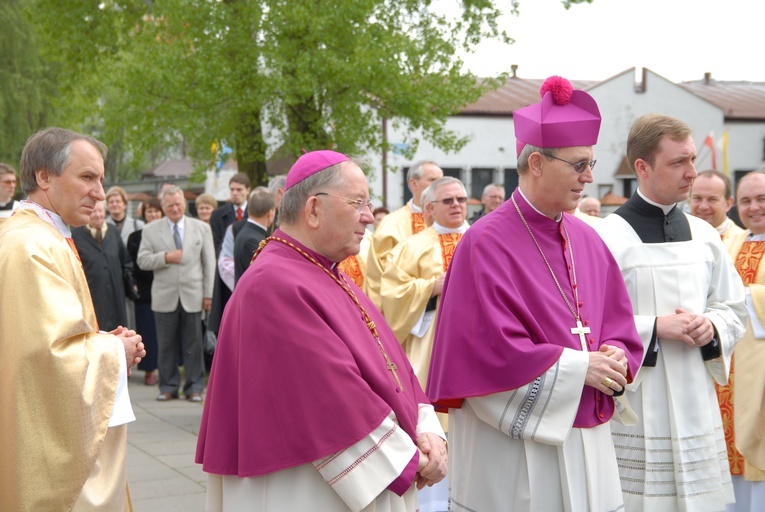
{"points": [[535, 163], [310, 212], [42, 177], [642, 168]]}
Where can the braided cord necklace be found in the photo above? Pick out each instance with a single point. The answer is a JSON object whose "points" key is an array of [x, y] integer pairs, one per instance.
{"points": [[390, 365], [579, 329]]}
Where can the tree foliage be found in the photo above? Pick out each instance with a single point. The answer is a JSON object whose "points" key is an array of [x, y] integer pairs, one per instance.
{"points": [[263, 75], [27, 92]]}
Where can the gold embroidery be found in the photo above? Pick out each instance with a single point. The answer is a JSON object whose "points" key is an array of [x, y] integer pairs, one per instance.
{"points": [[748, 261], [352, 268], [449, 243], [418, 223]]}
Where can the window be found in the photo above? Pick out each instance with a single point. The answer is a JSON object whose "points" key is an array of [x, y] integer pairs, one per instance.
{"points": [[630, 186], [480, 177], [455, 172], [511, 181]]}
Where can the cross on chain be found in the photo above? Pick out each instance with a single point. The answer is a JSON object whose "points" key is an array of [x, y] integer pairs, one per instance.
{"points": [[581, 331]]}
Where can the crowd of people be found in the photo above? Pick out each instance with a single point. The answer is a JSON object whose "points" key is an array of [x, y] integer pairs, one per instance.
{"points": [[537, 356]]}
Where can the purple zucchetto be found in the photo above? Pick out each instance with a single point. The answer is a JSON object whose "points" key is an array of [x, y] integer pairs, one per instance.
{"points": [[311, 163], [564, 118]]}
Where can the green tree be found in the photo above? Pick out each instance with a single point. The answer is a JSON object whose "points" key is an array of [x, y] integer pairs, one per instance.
{"points": [[27, 93], [264, 75]]}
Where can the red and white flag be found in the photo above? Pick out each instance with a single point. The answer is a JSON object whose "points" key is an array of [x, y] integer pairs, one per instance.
{"points": [[710, 142]]}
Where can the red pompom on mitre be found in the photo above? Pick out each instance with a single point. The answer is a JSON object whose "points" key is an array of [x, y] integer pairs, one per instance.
{"points": [[561, 89]]}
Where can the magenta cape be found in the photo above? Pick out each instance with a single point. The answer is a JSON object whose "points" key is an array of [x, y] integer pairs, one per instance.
{"points": [[297, 375], [503, 322]]}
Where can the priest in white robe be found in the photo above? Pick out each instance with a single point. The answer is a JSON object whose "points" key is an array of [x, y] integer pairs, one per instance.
{"points": [[688, 302], [398, 226]]}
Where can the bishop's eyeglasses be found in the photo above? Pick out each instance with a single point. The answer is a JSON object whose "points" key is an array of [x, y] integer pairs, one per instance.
{"points": [[358, 203], [579, 167]]}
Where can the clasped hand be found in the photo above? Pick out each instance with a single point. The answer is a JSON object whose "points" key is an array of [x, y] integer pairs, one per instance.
{"points": [[609, 362], [693, 330], [134, 349], [434, 460]]}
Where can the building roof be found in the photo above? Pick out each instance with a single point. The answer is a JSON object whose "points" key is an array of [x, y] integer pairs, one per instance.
{"points": [[514, 94], [612, 199], [739, 100], [171, 168]]}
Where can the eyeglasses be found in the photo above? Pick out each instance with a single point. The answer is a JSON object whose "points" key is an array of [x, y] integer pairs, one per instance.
{"points": [[450, 200], [579, 167], [358, 203]]}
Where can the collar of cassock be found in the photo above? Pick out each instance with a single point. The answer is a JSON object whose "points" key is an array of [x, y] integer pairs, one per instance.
{"points": [[666, 208], [48, 216], [441, 230]]}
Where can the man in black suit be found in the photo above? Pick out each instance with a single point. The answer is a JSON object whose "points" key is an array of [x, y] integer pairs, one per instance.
{"points": [[107, 266], [261, 210], [233, 210]]}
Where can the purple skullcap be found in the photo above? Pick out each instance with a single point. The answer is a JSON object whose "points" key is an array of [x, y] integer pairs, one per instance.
{"points": [[564, 118], [310, 163]]}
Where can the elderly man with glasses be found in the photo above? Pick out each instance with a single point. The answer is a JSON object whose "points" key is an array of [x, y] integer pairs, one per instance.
{"points": [[535, 335], [412, 282], [312, 404]]}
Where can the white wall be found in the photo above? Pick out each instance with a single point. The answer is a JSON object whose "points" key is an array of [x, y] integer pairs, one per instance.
{"points": [[492, 141]]}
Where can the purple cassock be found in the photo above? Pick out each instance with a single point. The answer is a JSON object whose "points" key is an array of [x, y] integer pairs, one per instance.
{"points": [[297, 376], [503, 322]]}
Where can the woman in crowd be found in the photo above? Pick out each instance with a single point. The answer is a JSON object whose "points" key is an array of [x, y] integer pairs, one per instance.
{"points": [[205, 205], [144, 316]]}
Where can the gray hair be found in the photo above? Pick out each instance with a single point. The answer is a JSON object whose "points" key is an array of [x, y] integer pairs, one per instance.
{"points": [[297, 195], [50, 149], [490, 186], [171, 191], [277, 182], [433, 188], [415, 170], [528, 149]]}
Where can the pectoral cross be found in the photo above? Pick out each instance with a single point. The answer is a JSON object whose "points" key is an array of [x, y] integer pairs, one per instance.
{"points": [[581, 331], [392, 368], [390, 365]]}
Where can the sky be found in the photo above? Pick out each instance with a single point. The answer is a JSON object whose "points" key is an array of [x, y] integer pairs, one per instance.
{"points": [[678, 39]]}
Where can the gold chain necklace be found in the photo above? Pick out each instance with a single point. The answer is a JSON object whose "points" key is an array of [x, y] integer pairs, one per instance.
{"points": [[390, 365], [578, 330]]}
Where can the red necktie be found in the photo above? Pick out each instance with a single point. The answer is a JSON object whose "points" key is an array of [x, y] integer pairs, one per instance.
{"points": [[238, 214]]}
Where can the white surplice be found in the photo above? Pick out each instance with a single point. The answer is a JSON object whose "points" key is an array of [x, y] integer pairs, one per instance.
{"points": [[519, 448], [354, 479], [675, 458]]}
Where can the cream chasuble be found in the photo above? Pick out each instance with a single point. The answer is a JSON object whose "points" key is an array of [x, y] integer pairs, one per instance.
{"points": [[394, 228], [407, 285], [745, 423], [728, 230], [58, 381], [675, 457]]}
